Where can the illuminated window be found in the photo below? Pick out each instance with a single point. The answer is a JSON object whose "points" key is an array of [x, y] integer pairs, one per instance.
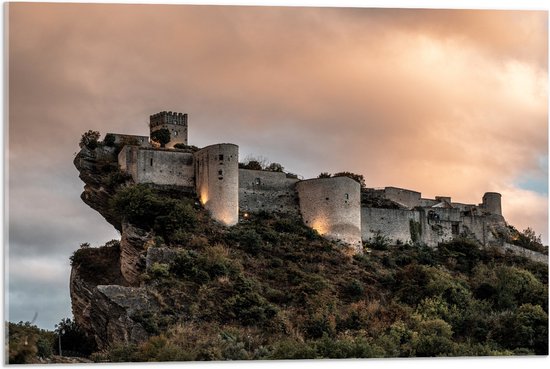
{"points": [[347, 196], [258, 181]]}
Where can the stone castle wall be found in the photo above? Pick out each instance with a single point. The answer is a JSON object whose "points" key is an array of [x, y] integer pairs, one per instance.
{"points": [[217, 181], [391, 223], [408, 198], [121, 139], [268, 191], [332, 207], [163, 167]]}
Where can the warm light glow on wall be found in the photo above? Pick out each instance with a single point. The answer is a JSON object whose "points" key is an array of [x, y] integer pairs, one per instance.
{"points": [[203, 197], [226, 218], [320, 225]]}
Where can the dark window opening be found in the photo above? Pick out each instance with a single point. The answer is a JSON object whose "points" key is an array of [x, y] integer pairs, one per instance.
{"points": [[221, 157], [454, 228], [347, 196], [326, 198], [220, 172], [151, 161], [258, 181]]}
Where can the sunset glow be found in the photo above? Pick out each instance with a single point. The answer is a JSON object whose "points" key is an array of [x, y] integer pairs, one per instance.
{"points": [[450, 102]]}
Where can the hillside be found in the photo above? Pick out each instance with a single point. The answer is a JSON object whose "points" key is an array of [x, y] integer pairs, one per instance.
{"points": [[179, 286]]}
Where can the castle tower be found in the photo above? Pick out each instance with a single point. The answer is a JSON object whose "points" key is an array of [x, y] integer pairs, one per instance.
{"points": [[492, 202], [217, 181], [176, 123], [332, 206]]}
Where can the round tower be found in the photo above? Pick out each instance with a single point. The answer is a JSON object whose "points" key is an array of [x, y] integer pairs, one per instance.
{"points": [[332, 206], [174, 122], [492, 202], [217, 181]]}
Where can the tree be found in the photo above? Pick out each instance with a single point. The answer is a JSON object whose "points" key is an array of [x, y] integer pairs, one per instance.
{"points": [[275, 167], [356, 177], [252, 164], [73, 340], [324, 175], [109, 139], [161, 136], [89, 139]]}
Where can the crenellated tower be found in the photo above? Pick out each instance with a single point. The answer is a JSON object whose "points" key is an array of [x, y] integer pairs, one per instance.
{"points": [[176, 123]]}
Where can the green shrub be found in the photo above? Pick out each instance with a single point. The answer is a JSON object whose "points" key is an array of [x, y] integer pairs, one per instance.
{"points": [[379, 241], [434, 339], [159, 270], [354, 288]]}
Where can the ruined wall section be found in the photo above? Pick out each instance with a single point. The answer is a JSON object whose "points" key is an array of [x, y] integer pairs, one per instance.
{"points": [[332, 206], [268, 191], [395, 224], [176, 123], [127, 161], [439, 225], [135, 140], [484, 228], [407, 198], [158, 166], [217, 181]]}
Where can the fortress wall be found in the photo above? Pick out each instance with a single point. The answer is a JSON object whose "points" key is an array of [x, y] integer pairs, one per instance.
{"points": [[442, 229], [217, 181], [462, 207], [529, 254], [165, 167], [392, 223], [270, 191], [407, 198], [332, 206], [483, 228], [127, 161], [142, 141], [425, 203]]}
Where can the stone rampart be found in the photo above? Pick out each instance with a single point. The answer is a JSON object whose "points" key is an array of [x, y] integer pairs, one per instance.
{"points": [[217, 181], [158, 166], [332, 207], [268, 191]]}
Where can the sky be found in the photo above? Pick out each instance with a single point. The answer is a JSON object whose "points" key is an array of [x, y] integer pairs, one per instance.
{"points": [[444, 102]]}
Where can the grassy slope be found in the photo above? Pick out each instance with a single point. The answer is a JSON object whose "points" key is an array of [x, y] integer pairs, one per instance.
{"points": [[270, 288]]}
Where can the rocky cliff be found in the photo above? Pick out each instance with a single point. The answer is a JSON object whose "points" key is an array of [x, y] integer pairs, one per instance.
{"points": [[104, 282]]}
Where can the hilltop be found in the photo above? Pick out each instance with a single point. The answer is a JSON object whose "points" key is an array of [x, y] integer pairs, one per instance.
{"points": [[181, 286]]}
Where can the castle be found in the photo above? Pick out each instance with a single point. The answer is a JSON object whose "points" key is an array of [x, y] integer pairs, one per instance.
{"points": [[336, 207]]}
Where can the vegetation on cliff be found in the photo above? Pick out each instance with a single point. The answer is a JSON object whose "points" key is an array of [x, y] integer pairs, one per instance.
{"points": [[271, 288]]}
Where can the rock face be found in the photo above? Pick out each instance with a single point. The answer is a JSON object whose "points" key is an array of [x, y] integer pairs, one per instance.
{"points": [[115, 312], [133, 247], [95, 168], [103, 302]]}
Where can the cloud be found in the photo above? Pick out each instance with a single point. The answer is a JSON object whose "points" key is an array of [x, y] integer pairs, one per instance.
{"points": [[444, 102]]}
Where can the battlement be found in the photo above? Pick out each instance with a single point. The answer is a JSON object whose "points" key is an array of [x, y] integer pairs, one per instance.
{"points": [[167, 117], [175, 123]]}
